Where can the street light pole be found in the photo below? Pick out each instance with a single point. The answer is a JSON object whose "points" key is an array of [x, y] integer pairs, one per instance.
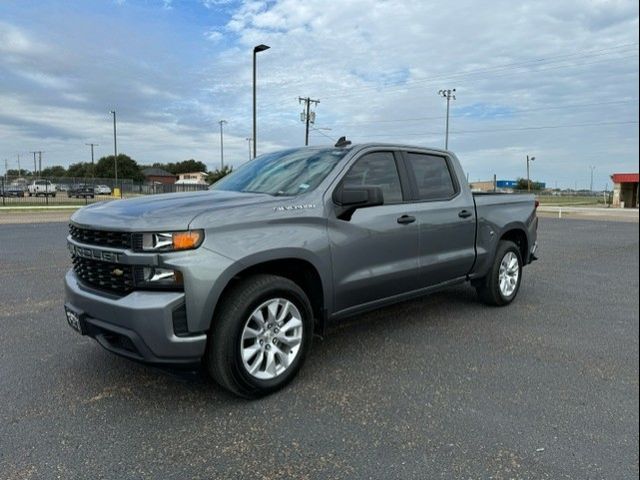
{"points": [[592, 168], [115, 150], [221, 122], [256, 50], [449, 95], [528, 176]]}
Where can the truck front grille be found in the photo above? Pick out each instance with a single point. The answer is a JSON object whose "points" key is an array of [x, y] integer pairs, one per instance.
{"points": [[112, 277], [103, 238]]}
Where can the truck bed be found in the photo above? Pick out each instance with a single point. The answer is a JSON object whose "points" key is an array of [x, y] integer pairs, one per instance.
{"points": [[498, 212]]}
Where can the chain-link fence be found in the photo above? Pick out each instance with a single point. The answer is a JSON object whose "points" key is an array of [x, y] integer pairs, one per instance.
{"points": [[62, 191]]}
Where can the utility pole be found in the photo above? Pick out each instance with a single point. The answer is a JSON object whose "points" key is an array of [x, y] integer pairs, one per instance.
{"points": [[36, 170], [93, 172], [19, 169], [449, 95], [35, 167], [307, 116], [529, 160], [248, 139], [592, 168], [221, 122]]}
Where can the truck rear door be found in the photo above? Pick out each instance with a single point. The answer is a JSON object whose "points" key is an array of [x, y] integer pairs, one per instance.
{"points": [[446, 217]]}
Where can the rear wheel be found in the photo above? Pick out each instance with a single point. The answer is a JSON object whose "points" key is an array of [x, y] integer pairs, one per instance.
{"points": [[260, 336], [501, 285]]}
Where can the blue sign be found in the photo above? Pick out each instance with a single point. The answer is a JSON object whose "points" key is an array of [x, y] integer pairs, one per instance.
{"points": [[506, 184]]}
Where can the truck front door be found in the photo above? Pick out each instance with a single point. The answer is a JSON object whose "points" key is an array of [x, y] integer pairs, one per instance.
{"points": [[375, 253]]}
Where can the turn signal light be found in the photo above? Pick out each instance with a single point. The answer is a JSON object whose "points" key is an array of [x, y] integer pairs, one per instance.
{"points": [[186, 240]]}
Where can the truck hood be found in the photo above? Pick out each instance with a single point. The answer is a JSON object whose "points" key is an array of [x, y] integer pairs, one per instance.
{"points": [[171, 211]]}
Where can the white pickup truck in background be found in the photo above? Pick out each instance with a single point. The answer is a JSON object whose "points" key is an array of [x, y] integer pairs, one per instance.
{"points": [[42, 187]]}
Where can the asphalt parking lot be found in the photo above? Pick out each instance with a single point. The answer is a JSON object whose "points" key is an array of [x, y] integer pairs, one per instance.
{"points": [[441, 387]]}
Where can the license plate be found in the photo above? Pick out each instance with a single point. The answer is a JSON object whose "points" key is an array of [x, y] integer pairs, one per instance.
{"points": [[74, 320]]}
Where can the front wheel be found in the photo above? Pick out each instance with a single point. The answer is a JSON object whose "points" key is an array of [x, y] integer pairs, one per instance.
{"points": [[501, 285], [260, 336]]}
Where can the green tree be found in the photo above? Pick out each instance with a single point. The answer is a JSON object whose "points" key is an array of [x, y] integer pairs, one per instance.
{"points": [[217, 174], [127, 168], [54, 171], [522, 185], [185, 166], [16, 173], [79, 170]]}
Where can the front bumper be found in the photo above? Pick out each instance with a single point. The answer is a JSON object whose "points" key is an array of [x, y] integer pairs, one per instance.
{"points": [[138, 325]]}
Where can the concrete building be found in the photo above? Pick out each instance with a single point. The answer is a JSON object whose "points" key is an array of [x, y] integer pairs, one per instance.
{"points": [[625, 190]]}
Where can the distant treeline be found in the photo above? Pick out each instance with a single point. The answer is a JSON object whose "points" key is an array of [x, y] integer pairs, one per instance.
{"points": [[105, 168]]}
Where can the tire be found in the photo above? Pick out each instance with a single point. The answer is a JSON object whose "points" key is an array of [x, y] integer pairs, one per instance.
{"points": [[235, 314], [489, 288]]}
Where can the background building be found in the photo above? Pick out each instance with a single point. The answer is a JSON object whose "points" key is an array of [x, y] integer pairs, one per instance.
{"points": [[501, 186], [156, 176], [625, 190], [192, 178]]}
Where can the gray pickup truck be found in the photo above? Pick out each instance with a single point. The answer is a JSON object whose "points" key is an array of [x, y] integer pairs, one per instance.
{"points": [[240, 276]]}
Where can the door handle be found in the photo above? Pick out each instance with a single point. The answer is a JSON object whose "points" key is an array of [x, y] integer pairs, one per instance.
{"points": [[465, 214], [406, 219]]}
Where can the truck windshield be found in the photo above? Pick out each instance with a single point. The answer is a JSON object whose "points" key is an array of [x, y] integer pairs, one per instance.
{"points": [[287, 172]]}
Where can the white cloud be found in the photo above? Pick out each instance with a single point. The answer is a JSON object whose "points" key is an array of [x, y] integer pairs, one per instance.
{"points": [[215, 3], [14, 41], [213, 36]]}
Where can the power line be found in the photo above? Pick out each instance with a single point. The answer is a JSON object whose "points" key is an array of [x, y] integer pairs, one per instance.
{"points": [[322, 133], [503, 68], [521, 110], [540, 127], [494, 69], [535, 61]]}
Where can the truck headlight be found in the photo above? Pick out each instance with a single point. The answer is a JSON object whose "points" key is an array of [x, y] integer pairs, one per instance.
{"points": [[172, 241], [159, 278]]}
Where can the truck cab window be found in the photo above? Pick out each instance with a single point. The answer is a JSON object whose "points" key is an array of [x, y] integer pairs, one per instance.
{"points": [[377, 169], [432, 175]]}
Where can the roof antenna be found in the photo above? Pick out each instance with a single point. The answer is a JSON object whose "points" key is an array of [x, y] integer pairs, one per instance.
{"points": [[343, 142]]}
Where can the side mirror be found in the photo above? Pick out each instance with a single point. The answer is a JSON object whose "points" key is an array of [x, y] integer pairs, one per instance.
{"points": [[351, 197], [358, 196]]}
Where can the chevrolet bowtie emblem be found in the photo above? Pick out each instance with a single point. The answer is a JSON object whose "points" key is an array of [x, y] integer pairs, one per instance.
{"points": [[117, 272]]}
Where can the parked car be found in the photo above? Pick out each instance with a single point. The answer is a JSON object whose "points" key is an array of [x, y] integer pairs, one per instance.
{"points": [[240, 276], [103, 190], [13, 190], [42, 187], [81, 190]]}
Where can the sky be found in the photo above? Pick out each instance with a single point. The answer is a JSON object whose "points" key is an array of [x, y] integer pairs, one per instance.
{"points": [[554, 80]]}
